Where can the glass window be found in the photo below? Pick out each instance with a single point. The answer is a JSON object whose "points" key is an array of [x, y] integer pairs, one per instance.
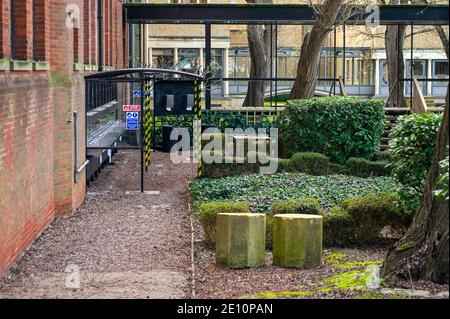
{"points": [[189, 60], [162, 58], [440, 69]]}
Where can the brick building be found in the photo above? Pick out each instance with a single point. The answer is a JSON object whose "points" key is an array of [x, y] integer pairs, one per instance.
{"points": [[45, 48]]}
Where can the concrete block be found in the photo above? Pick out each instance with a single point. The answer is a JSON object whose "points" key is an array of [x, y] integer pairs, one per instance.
{"points": [[297, 240], [240, 239]]}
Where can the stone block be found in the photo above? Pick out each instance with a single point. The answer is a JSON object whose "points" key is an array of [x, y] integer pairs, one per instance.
{"points": [[297, 240], [240, 239]]}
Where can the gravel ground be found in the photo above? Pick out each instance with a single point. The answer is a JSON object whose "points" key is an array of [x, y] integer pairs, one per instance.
{"points": [[115, 235]]}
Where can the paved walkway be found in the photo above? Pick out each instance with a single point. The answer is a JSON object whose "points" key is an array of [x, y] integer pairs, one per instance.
{"points": [[123, 243]]}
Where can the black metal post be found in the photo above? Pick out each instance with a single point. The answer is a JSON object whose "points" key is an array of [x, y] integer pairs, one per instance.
{"points": [[271, 65], [334, 61], [411, 64], [140, 45], [141, 131], [208, 65], [99, 34], [398, 68], [153, 114], [344, 53], [276, 65]]}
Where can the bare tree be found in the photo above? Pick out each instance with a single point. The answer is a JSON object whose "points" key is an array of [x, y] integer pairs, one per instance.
{"points": [[259, 44], [307, 70]]}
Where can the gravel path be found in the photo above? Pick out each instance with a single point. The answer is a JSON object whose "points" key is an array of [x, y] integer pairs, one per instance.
{"points": [[124, 243]]}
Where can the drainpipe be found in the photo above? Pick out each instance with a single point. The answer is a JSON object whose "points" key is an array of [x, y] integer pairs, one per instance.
{"points": [[99, 34]]}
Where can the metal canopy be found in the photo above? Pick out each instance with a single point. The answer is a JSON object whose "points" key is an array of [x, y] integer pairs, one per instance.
{"points": [[283, 14], [139, 71]]}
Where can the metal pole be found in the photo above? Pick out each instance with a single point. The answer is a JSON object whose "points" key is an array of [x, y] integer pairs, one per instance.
{"points": [[99, 33], [141, 131], [398, 68], [276, 65], [411, 63], [271, 66], [208, 64], [140, 45], [334, 62], [344, 52]]}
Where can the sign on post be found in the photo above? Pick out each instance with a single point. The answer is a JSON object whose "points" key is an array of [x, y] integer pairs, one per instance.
{"points": [[131, 108], [132, 121]]}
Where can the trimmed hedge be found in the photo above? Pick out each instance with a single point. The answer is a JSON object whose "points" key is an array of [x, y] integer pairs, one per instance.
{"points": [[338, 127], [296, 206], [361, 167], [308, 163], [208, 212], [359, 220], [292, 206]]}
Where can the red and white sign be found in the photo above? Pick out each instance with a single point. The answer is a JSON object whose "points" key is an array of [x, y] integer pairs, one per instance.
{"points": [[131, 108]]}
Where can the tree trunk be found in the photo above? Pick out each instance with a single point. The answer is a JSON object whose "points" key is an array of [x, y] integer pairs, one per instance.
{"points": [[395, 63], [308, 64], [259, 37], [422, 253]]}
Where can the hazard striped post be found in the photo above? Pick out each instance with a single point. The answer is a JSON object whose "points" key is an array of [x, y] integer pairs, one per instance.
{"points": [[197, 125], [147, 122]]}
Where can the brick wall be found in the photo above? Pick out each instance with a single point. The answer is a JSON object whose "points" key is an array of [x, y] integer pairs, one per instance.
{"points": [[37, 120]]}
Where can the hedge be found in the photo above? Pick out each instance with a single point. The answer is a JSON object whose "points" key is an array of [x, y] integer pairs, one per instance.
{"points": [[338, 127], [308, 163], [296, 206], [208, 212], [362, 167], [359, 220]]}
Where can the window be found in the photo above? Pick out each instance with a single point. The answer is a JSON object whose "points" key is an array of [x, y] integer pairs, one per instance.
{"points": [[440, 69], [40, 30], [189, 60], [21, 30], [162, 58]]}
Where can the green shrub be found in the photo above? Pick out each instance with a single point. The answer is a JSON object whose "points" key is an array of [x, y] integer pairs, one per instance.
{"points": [[334, 168], [296, 206], [383, 155], [361, 167], [338, 127], [443, 180], [412, 144], [207, 215], [310, 163], [359, 220], [338, 228]]}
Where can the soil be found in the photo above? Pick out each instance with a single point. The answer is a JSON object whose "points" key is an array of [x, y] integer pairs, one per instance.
{"points": [[126, 244]]}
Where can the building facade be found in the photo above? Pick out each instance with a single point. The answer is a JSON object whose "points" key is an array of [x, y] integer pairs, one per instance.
{"points": [[363, 68], [45, 48]]}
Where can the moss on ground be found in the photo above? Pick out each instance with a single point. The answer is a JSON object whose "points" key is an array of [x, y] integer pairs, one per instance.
{"points": [[348, 280], [334, 258], [357, 264]]}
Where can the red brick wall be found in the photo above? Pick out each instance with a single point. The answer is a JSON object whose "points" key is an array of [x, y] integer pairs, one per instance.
{"points": [[5, 29], [37, 127], [41, 39]]}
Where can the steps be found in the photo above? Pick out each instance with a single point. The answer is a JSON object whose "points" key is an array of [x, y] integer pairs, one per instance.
{"points": [[392, 115]]}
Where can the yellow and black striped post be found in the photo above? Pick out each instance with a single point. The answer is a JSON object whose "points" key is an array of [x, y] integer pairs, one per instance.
{"points": [[197, 125], [147, 122]]}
